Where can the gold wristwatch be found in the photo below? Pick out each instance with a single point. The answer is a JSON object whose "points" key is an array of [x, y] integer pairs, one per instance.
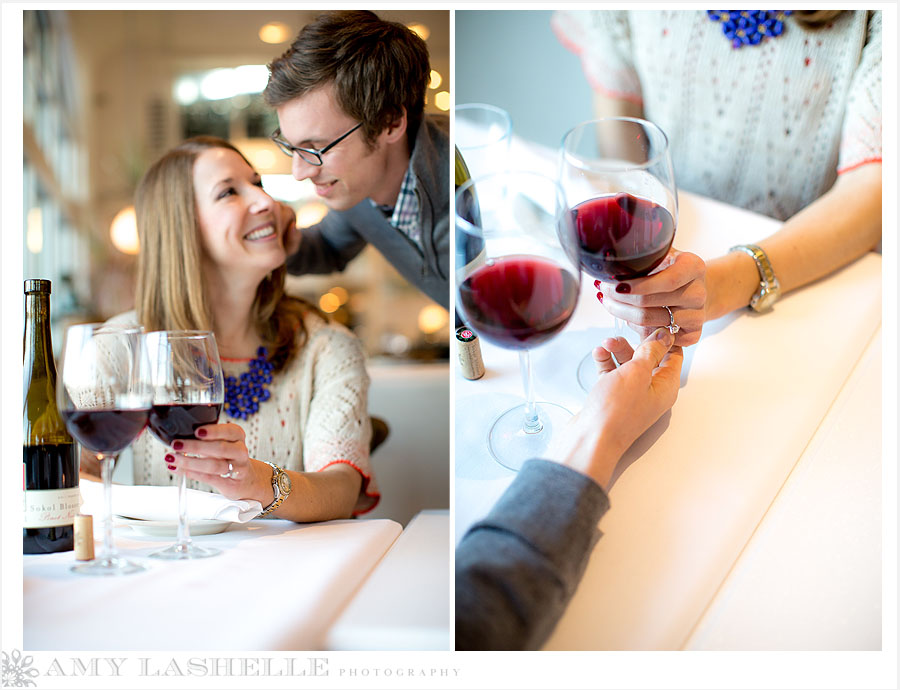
{"points": [[281, 485], [769, 287]]}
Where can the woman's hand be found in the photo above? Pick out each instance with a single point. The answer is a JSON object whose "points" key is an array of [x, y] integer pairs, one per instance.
{"points": [[623, 404], [680, 285], [220, 449], [286, 219]]}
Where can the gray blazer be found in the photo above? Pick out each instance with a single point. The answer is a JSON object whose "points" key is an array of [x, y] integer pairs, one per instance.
{"points": [[341, 235]]}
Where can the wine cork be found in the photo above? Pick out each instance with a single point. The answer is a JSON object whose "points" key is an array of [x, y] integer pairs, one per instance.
{"points": [[469, 353], [84, 538]]}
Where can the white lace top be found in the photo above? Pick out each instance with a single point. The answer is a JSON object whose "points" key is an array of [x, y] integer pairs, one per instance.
{"points": [[316, 416], [765, 127]]}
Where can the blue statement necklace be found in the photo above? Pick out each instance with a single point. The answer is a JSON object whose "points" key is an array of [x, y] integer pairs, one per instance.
{"points": [[244, 393], [749, 27]]}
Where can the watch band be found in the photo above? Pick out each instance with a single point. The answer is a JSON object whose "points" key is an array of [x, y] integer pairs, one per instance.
{"points": [[769, 287], [280, 494]]}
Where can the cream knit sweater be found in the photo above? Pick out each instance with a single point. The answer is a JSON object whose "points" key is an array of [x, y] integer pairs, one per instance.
{"points": [[765, 127]]}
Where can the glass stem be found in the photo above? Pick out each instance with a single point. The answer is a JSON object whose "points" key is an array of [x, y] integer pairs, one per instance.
{"points": [[184, 532], [532, 421], [619, 328], [107, 465]]}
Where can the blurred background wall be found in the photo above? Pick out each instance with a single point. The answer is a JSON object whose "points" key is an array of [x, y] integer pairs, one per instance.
{"points": [[546, 94], [106, 92]]}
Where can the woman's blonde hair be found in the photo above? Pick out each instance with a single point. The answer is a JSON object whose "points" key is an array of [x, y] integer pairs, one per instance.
{"points": [[814, 19], [170, 294]]}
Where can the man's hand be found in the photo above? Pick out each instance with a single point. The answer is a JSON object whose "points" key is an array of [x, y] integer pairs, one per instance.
{"points": [[623, 404], [286, 219]]}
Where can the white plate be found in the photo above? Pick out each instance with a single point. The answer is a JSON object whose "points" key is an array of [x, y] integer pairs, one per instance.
{"points": [[166, 528]]}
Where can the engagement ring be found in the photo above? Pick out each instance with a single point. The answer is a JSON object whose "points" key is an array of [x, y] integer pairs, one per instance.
{"points": [[673, 327]]}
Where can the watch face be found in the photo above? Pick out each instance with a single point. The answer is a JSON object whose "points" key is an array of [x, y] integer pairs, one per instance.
{"points": [[766, 300], [284, 482]]}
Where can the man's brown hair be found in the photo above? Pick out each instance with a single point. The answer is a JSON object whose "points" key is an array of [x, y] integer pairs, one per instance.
{"points": [[378, 69]]}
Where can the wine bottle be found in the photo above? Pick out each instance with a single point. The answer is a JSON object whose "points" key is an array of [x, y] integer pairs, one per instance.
{"points": [[50, 462], [467, 203], [461, 171]]}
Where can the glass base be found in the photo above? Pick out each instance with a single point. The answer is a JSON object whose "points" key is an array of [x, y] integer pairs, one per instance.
{"points": [[183, 552], [587, 368], [511, 445], [587, 372], [108, 567]]}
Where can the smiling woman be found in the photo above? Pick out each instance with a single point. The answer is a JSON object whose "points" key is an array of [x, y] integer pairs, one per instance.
{"points": [[237, 221], [213, 259]]}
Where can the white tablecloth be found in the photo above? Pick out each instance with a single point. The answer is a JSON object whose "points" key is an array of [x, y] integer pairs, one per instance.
{"points": [[404, 604], [277, 586], [810, 576], [693, 490]]}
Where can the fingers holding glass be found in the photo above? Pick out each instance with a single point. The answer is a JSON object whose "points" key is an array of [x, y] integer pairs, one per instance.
{"points": [[188, 396], [619, 182]]}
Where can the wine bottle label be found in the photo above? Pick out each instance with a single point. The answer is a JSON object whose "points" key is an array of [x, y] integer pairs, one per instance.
{"points": [[51, 507]]}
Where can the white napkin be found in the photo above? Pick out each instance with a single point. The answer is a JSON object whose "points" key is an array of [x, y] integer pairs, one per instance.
{"points": [[161, 503]]}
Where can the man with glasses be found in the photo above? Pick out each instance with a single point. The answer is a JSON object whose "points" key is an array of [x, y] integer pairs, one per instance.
{"points": [[350, 99]]}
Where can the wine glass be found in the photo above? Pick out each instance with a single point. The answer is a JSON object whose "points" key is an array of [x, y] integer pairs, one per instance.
{"points": [[618, 180], [517, 279], [104, 398], [482, 135], [188, 392]]}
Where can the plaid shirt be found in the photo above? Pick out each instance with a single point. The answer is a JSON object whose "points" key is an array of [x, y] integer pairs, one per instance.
{"points": [[405, 213]]}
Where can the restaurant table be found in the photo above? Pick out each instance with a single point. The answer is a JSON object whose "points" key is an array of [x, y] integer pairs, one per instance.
{"points": [[404, 604], [277, 586], [772, 449]]}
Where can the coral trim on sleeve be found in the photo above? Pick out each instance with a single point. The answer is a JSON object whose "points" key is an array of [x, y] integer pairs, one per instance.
{"points": [[365, 485], [848, 168]]}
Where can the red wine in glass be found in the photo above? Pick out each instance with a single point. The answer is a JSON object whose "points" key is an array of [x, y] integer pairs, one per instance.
{"points": [[104, 397], [622, 236], [518, 279], [620, 184], [519, 302], [106, 431], [188, 392], [172, 421]]}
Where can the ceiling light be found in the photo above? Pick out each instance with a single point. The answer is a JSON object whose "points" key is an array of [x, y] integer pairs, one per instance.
{"points": [[186, 91], [442, 100], [274, 32], [34, 237], [329, 303], [420, 30], [123, 231], [432, 319]]}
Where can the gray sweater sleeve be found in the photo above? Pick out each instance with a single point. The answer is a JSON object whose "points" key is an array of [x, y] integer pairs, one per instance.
{"points": [[517, 569]]}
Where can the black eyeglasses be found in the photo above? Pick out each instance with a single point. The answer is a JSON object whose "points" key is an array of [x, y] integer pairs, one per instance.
{"points": [[311, 156]]}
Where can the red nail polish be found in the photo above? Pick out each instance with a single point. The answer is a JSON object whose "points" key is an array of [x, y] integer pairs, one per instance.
{"points": [[201, 432], [623, 288], [178, 445], [600, 296], [597, 284], [170, 457], [172, 467]]}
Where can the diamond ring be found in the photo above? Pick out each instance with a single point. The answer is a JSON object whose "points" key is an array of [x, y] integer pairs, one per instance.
{"points": [[673, 327]]}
